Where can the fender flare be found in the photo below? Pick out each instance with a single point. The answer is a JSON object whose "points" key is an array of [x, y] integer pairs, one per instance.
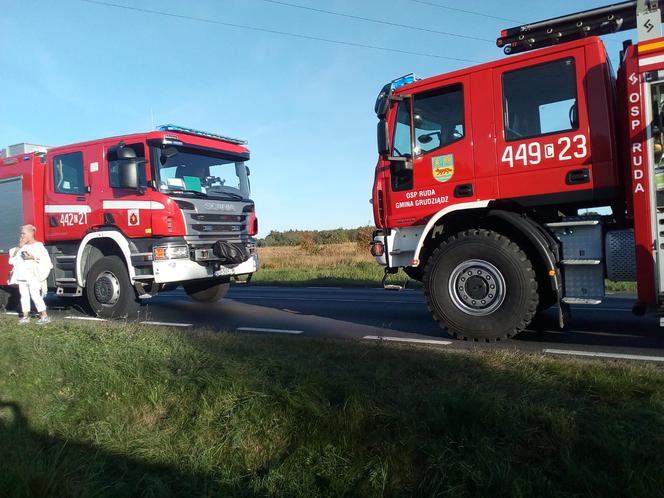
{"points": [[116, 237], [439, 215], [547, 247], [538, 238]]}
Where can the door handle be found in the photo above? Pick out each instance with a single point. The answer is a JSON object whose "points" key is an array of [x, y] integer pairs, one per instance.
{"points": [[578, 177], [465, 190], [52, 221]]}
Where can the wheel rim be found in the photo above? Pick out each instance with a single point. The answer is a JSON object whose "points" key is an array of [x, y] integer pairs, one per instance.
{"points": [[107, 289], [477, 287]]}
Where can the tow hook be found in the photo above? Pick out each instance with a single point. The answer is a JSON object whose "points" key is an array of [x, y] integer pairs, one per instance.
{"points": [[391, 287]]}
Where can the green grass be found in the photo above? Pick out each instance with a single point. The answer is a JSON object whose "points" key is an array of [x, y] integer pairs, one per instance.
{"points": [[355, 274], [628, 287], [360, 274], [127, 411]]}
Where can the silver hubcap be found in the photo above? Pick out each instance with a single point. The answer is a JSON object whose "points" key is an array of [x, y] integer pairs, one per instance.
{"points": [[107, 289], [477, 287]]}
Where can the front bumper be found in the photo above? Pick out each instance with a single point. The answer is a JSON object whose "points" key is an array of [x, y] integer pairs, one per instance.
{"points": [[183, 270]]}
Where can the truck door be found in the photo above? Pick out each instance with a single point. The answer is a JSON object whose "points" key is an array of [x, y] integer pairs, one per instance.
{"points": [[432, 125], [127, 208], [544, 148], [66, 206]]}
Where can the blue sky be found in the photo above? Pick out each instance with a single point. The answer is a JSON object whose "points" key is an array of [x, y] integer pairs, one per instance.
{"points": [[74, 71]]}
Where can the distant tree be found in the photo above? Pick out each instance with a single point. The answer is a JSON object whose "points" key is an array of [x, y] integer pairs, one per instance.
{"points": [[320, 237]]}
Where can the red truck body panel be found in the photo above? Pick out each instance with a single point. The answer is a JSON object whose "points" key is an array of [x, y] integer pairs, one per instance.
{"points": [[69, 217], [528, 171]]}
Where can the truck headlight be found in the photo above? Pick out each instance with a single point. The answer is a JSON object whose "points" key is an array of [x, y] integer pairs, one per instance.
{"points": [[170, 252]]}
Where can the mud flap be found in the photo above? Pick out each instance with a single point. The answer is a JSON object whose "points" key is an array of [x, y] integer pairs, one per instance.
{"points": [[564, 314]]}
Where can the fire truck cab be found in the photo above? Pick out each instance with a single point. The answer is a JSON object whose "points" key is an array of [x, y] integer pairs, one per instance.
{"points": [[485, 174], [126, 217]]}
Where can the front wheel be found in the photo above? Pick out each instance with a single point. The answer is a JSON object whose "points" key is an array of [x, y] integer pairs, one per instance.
{"points": [[207, 291], [108, 289], [480, 285]]}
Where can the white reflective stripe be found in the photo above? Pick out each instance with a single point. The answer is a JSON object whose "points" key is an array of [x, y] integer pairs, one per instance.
{"points": [[66, 208], [651, 60], [434, 219], [133, 205]]}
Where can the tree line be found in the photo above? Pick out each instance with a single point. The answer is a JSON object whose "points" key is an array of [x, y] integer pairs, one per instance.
{"points": [[319, 237]]}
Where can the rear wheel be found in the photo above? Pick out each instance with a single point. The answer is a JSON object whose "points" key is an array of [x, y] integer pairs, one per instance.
{"points": [[480, 285], [108, 289], [207, 291]]}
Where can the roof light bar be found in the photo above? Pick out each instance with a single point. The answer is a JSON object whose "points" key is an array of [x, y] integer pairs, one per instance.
{"points": [[404, 80], [191, 131]]}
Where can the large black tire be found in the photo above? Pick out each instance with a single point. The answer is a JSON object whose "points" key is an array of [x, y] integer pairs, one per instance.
{"points": [[481, 286], [207, 291], [108, 290]]}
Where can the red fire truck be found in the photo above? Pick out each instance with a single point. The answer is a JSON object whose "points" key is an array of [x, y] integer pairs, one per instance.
{"points": [[126, 217], [486, 175]]}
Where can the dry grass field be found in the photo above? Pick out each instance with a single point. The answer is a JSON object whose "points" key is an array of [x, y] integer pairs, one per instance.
{"points": [[347, 264], [316, 256]]}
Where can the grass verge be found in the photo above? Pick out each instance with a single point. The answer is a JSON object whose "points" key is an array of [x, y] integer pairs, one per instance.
{"points": [[351, 274], [133, 411]]}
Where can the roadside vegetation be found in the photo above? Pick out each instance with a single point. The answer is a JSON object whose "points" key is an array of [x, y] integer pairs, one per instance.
{"points": [[126, 410], [347, 264]]}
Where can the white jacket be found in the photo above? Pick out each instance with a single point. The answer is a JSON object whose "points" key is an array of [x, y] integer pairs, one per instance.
{"points": [[30, 270]]}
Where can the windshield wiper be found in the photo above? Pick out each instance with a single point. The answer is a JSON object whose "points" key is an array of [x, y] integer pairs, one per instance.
{"points": [[197, 193], [229, 194]]}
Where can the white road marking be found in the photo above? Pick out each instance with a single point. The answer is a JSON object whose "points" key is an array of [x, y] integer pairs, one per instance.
{"points": [[418, 302], [327, 300], [168, 324], [594, 354], [86, 318], [272, 331], [403, 339]]}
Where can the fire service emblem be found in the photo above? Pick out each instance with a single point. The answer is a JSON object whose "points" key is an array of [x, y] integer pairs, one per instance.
{"points": [[133, 217], [443, 167]]}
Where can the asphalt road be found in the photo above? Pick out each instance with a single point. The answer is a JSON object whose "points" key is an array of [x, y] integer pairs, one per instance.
{"points": [[368, 314]]}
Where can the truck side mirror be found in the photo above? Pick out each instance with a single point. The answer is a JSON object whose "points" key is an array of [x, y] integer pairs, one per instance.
{"points": [[383, 138], [128, 174], [383, 102], [127, 168]]}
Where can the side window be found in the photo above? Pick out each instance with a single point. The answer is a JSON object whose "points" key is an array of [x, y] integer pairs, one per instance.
{"points": [[114, 166], [540, 100], [402, 178], [438, 118], [401, 144], [68, 174]]}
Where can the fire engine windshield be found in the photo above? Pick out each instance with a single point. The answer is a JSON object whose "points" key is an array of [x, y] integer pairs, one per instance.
{"points": [[202, 173]]}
